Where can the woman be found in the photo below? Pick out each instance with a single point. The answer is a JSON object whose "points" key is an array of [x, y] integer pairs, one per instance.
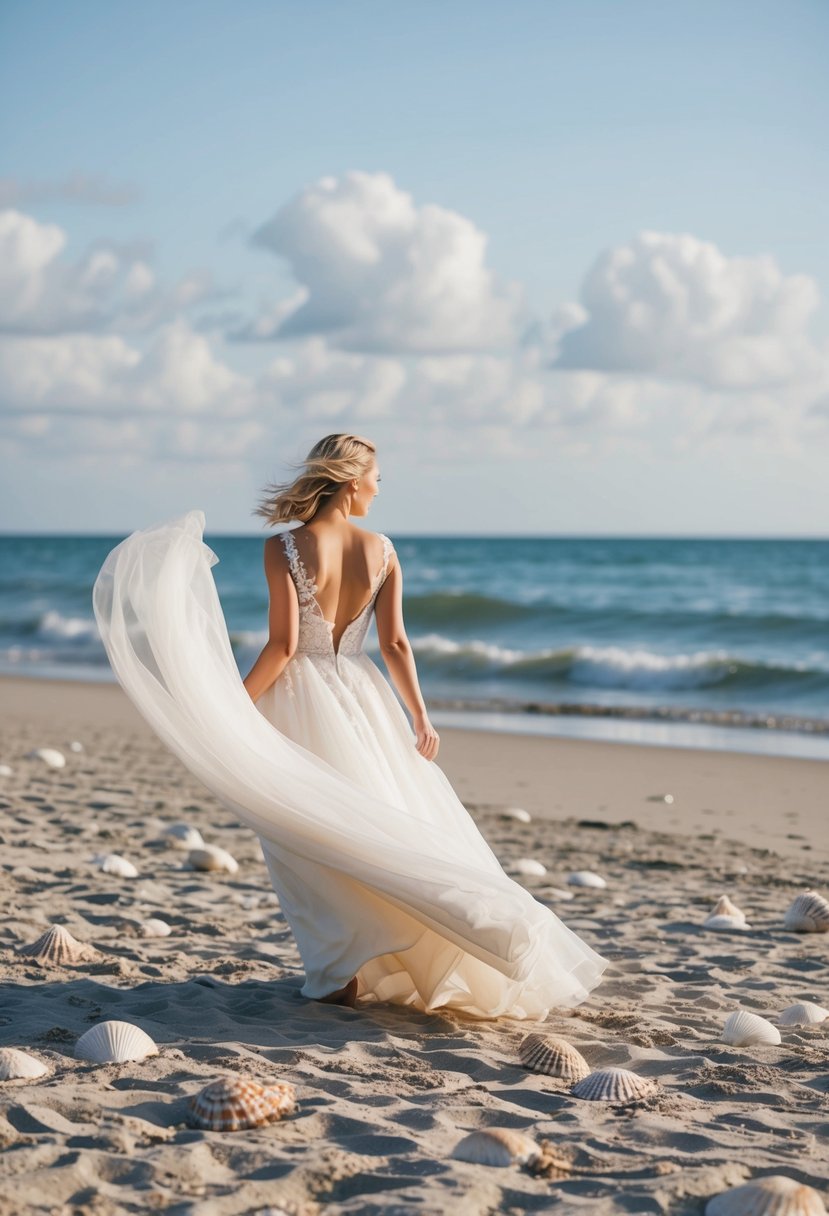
{"points": [[391, 892]]}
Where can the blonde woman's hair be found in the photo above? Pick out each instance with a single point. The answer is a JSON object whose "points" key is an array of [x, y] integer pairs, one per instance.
{"points": [[331, 462]]}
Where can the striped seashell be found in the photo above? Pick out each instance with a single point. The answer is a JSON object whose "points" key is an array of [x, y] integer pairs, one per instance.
{"points": [[234, 1103], [58, 947], [499, 1146], [114, 863], [744, 1029], [804, 1014], [211, 857], [529, 866], [585, 878], [614, 1085], [19, 1065], [774, 1195], [516, 812], [154, 928], [49, 755], [553, 1056], [115, 1042], [183, 836], [726, 922], [807, 913]]}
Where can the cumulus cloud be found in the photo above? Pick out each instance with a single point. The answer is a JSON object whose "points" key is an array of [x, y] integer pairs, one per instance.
{"points": [[378, 273], [672, 305], [107, 288]]}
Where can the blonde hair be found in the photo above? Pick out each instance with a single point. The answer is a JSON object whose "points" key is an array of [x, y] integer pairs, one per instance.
{"points": [[332, 462]]}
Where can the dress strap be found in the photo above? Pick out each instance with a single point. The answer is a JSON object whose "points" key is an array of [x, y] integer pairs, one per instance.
{"points": [[306, 589], [388, 550]]}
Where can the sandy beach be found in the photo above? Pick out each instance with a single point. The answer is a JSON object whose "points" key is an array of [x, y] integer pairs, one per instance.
{"points": [[383, 1094]]}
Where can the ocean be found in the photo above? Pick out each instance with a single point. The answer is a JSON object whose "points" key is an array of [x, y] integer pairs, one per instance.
{"points": [[605, 637]]}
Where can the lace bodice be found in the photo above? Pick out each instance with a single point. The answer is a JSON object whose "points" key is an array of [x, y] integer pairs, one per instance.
{"points": [[316, 633]]}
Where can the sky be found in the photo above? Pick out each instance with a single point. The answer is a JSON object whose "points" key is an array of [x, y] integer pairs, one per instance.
{"points": [[565, 263]]}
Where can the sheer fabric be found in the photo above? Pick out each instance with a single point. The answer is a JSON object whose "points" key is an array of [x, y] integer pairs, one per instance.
{"points": [[379, 869]]}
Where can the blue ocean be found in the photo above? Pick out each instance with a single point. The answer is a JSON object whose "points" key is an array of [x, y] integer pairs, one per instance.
{"points": [[725, 633]]}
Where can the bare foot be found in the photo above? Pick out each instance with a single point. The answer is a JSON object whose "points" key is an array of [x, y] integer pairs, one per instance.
{"points": [[343, 996]]}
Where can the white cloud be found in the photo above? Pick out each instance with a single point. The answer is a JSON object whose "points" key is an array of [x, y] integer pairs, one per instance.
{"points": [[377, 273], [106, 289], [671, 305]]}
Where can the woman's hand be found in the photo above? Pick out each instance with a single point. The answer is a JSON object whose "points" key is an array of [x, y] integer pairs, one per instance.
{"points": [[428, 739]]}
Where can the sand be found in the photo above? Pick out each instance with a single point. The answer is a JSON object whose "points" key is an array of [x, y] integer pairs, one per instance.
{"points": [[384, 1094]]}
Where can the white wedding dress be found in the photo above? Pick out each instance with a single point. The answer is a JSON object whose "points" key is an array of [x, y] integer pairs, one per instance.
{"points": [[379, 869]]}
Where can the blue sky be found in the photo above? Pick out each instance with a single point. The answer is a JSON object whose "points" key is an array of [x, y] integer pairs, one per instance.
{"points": [[511, 148]]}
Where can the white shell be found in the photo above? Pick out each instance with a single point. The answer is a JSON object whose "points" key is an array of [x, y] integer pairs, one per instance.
{"points": [[155, 928], [211, 857], [234, 1103], [725, 922], [744, 1029], [115, 1042], [49, 755], [725, 907], [614, 1085], [6, 770], [807, 913], [560, 893], [16, 1065], [775, 1195], [183, 836], [58, 947], [114, 863], [804, 1014], [75, 746], [528, 865], [585, 878], [553, 1056], [499, 1146], [516, 812]]}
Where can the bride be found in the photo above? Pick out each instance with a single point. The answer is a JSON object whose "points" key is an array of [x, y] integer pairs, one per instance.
{"points": [[389, 889]]}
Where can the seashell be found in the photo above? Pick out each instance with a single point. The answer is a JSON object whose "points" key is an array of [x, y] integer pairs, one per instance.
{"points": [[154, 928], [614, 1085], [75, 746], [725, 922], [585, 878], [744, 1029], [183, 836], [211, 857], [528, 865], [6, 770], [560, 893], [807, 913], [115, 1042], [804, 1014], [234, 1103], [499, 1146], [774, 1195], [553, 1056], [516, 812], [16, 1065], [49, 755], [725, 907], [114, 863], [59, 947]]}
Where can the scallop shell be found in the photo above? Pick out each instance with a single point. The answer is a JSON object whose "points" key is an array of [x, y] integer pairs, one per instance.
{"points": [[725, 907], [585, 878], [59, 947], [804, 1014], [613, 1085], [211, 857], [528, 865], [114, 863], [725, 921], [807, 913], [183, 836], [16, 1065], [234, 1103], [49, 755], [115, 1042], [154, 928], [744, 1029], [553, 1056], [775, 1195], [516, 812], [499, 1146]]}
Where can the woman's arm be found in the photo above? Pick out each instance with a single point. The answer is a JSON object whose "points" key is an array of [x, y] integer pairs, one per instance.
{"points": [[399, 659], [283, 623]]}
